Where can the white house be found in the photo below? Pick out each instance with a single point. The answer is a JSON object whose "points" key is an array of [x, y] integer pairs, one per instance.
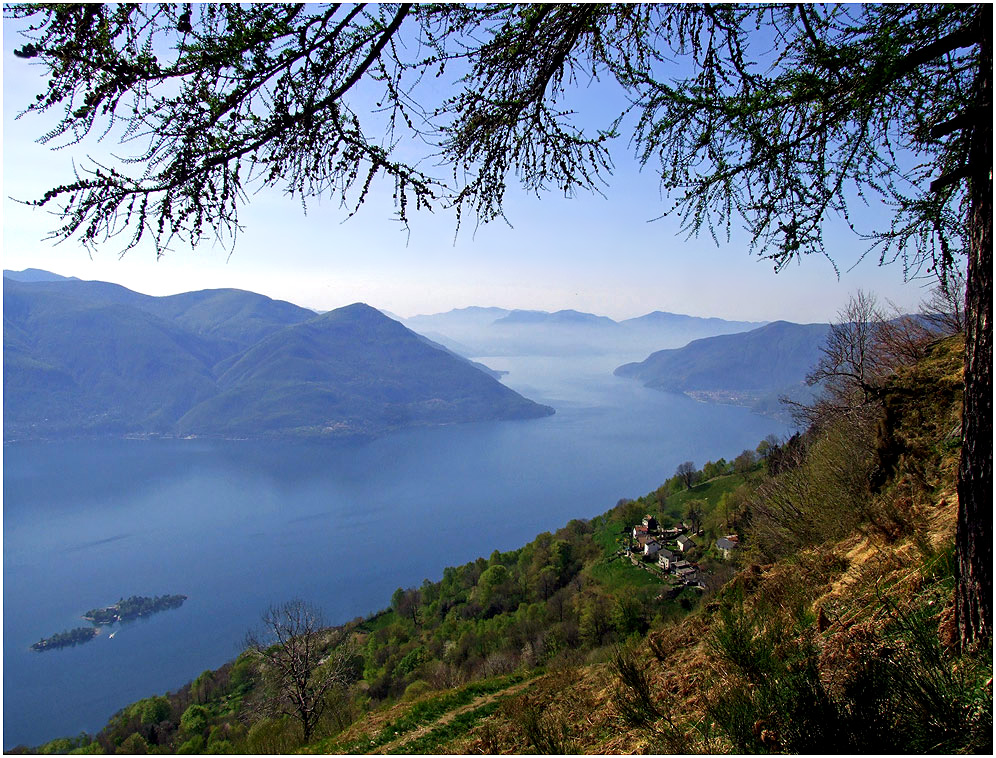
{"points": [[685, 543], [726, 545], [665, 558], [651, 548]]}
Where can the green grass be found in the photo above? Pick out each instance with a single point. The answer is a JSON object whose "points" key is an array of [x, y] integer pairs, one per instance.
{"points": [[421, 713], [429, 743], [710, 491], [607, 534], [621, 574], [378, 621]]}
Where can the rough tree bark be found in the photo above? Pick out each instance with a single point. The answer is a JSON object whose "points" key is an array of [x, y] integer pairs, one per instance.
{"points": [[974, 540]]}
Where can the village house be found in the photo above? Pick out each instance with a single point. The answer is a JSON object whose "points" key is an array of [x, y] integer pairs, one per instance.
{"points": [[650, 522], [685, 543], [688, 575], [726, 545], [665, 558], [651, 548], [638, 530]]}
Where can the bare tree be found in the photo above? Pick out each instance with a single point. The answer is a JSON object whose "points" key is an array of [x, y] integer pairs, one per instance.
{"points": [[901, 339], [944, 310], [864, 347], [686, 471], [302, 662], [744, 463], [849, 364]]}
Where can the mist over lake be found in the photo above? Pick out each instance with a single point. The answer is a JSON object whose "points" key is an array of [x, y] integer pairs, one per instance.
{"points": [[239, 525]]}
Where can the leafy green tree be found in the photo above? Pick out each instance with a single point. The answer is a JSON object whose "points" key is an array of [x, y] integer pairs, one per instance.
{"points": [[713, 469], [193, 746], [627, 615], [780, 115], [134, 745], [152, 710], [194, 719]]}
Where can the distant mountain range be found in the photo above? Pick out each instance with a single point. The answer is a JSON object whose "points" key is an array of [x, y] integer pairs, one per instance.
{"points": [[86, 358], [479, 331], [750, 368]]}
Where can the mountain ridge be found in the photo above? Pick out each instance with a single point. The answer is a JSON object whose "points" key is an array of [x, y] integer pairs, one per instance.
{"points": [[97, 359]]}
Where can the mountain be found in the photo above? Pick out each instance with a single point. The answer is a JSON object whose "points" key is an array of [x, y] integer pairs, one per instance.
{"points": [[694, 327], [458, 318], [558, 318], [34, 275], [93, 358], [352, 371], [496, 331], [747, 368]]}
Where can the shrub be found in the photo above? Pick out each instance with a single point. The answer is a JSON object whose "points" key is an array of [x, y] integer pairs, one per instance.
{"points": [[193, 746], [416, 689], [272, 735], [194, 719]]}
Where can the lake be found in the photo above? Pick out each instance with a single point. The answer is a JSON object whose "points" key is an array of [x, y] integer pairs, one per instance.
{"points": [[238, 525]]}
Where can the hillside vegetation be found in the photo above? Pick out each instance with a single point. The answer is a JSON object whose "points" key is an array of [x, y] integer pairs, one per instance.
{"points": [[752, 368], [829, 629]]}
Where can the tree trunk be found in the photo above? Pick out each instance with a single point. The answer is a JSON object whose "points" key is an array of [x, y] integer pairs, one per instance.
{"points": [[974, 540]]}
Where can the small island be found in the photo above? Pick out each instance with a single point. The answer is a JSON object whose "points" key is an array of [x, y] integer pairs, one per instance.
{"points": [[133, 607], [76, 636]]}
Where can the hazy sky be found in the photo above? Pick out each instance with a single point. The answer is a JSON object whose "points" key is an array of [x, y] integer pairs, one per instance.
{"points": [[599, 254]]}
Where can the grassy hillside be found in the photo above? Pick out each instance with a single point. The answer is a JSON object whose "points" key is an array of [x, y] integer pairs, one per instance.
{"points": [[829, 629]]}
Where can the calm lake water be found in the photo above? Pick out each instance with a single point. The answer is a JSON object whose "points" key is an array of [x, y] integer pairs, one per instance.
{"points": [[237, 526]]}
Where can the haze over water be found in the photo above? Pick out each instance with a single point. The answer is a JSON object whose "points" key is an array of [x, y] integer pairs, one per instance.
{"points": [[237, 526]]}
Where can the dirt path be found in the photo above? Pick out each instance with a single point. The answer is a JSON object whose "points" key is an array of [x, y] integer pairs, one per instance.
{"points": [[447, 717]]}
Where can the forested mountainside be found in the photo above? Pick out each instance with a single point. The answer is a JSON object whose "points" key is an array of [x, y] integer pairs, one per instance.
{"points": [[750, 368], [796, 599], [96, 359]]}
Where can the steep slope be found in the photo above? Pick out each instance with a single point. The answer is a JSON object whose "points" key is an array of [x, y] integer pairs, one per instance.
{"points": [[72, 365], [236, 317], [351, 371]]}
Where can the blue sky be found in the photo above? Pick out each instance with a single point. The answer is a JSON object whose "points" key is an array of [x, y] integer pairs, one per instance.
{"points": [[602, 254]]}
